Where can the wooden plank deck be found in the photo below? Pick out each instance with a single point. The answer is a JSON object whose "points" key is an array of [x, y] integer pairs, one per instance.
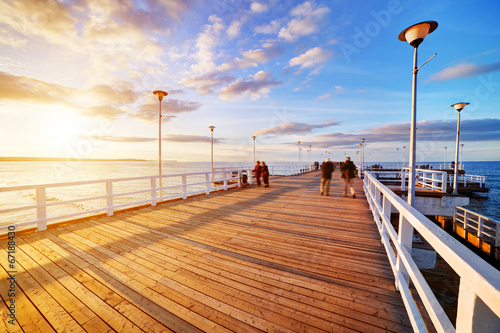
{"points": [[277, 259]]}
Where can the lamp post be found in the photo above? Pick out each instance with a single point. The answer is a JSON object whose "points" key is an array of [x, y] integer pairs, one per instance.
{"points": [[459, 107], [397, 158], [414, 35], [160, 95], [404, 153], [445, 157], [461, 156], [254, 137], [300, 162], [211, 147], [363, 157], [310, 155]]}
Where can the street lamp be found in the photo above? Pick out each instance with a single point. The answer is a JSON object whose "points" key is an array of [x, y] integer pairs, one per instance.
{"points": [[445, 157], [404, 153], [459, 107], [363, 157], [254, 137], [414, 35], [461, 156], [212, 148], [160, 95], [310, 153], [397, 158], [300, 162]]}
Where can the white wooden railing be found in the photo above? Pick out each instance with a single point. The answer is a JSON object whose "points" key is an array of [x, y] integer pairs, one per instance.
{"points": [[484, 227], [430, 179], [464, 179], [479, 291], [187, 184]]}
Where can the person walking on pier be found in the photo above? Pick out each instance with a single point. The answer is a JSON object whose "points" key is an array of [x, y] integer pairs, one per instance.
{"points": [[327, 168], [348, 171], [257, 170], [265, 174]]}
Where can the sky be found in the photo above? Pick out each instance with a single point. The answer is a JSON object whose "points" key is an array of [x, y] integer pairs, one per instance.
{"points": [[77, 79]]}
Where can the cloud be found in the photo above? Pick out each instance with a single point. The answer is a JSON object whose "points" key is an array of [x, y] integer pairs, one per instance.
{"points": [[325, 95], [464, 70], [102, 101], [306, 22], [313, 57], [234, 29], [206, 43], [487, 129], [289, 128], [250, 58], [268, 29], [149, 111], [206, 83], [169, 138], [256, 85], [257, 7]]}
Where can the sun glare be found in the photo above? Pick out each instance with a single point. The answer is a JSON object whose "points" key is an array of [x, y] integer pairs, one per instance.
{"points": [[63, 126]]}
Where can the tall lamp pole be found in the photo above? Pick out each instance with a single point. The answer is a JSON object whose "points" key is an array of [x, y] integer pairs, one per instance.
{"points": [[445, 157], [363, 157], [459, 107], [254, 137], [212, 149], [300, 162], [397, 158], [310, 156], [404, 153], [160, 95], [461, 156], [415, 35]]}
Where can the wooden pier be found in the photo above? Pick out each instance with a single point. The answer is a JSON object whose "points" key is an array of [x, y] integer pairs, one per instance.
{"points": [[276, 259]]}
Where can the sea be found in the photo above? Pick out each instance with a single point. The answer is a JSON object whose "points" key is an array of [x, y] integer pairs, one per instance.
{"points": [[13, 174]]}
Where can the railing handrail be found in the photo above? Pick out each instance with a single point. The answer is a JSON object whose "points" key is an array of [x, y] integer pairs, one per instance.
{"points": [[478, 278], [42, 204]]}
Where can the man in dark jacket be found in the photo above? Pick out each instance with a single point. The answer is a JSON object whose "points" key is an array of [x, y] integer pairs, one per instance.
{"points": [[327, 169], [257, 171], [348, 171]]}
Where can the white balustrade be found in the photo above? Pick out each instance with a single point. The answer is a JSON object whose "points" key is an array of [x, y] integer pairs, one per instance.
{"points": [[230, 178], [479, 292], [484, 227]]}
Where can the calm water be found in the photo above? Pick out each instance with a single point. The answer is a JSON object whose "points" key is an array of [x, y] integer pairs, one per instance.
{"points": [[32, 173]]}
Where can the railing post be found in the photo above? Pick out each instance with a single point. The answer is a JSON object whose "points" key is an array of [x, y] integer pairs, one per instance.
{"points": [[497, 239], [473, 315], [405, 240], [386, 218], [109, 197], [480, 226], [445, 181], [465, 220], [403, 180], [250, 179], [153, 191], [239, 178], [225, 180], [184, 187], [41, 212], [207, 180]]}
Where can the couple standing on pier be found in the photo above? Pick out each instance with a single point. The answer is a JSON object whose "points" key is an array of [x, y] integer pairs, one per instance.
{"points": [[347, 170], [261, 170]]}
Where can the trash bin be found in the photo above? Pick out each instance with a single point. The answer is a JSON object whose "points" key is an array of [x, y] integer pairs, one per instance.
{"points": [[244, 177]]}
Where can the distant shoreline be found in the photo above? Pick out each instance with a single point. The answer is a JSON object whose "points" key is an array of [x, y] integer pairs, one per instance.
{"points": [[63, 159]]}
